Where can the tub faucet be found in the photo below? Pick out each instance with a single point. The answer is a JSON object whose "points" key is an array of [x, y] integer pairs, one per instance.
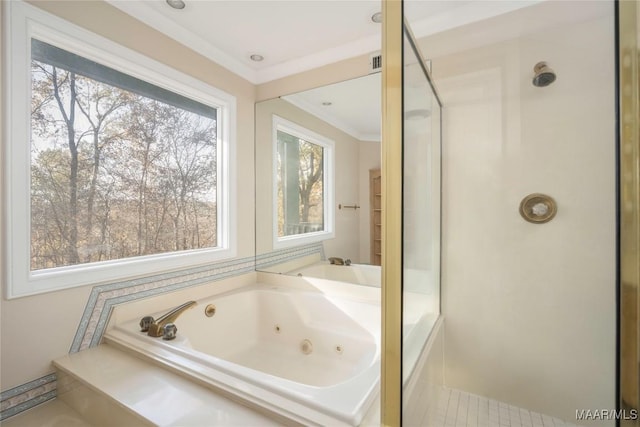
{"points": [[339, 261], [163, 326]]}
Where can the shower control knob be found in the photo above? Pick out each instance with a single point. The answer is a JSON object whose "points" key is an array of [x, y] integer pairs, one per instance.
{"points": [[169, 331]]}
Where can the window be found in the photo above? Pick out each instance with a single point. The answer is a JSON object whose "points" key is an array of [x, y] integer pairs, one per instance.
{"points": [[303, 185], [128, 162]]}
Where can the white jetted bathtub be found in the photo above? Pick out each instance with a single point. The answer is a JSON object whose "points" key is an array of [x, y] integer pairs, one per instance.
{"points": [[301, 354], [360, 274]]}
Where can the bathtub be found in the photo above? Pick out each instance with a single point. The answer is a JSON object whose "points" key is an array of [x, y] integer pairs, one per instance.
{"points": [[303, 355], [360, 274]]}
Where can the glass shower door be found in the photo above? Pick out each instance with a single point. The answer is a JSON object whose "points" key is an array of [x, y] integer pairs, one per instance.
{"points": [[421, 235], [421, 207], [411, 214]]}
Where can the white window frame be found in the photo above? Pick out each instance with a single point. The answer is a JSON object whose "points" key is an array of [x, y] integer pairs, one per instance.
{"points": [[23, 22], [281, 124]]}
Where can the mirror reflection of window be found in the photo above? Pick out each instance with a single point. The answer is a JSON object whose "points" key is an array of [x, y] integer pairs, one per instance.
{"points": [[300, 185], [303, 176]]}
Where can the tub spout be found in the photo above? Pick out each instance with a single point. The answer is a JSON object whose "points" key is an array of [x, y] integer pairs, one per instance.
{"points": [[156, 327]]}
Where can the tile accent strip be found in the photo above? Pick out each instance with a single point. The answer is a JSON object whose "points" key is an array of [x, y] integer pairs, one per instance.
{"points": [[104, 297], [276, 257], [26, 396]]}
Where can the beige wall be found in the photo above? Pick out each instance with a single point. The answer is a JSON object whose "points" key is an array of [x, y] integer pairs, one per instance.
{"points": [[35, 330], [530, 309]]}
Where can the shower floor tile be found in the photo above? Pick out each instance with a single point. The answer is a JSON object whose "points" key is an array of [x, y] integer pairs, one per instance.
{"points": [[461, 409]]}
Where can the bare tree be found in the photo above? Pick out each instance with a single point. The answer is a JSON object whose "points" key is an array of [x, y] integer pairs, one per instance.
{"points": [[311, 168], [98, 106], [116, 174]]}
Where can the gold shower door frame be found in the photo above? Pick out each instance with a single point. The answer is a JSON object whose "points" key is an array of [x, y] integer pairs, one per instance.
{"points": [[395, 30], [629, 210], [391, 169]]}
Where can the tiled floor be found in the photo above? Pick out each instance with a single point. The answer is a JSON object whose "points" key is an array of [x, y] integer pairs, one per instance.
{"points": [[458, 408]]}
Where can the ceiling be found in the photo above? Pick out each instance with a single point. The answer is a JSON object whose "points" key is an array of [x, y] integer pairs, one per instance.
{"points": [[296, 35], [354, 105]]}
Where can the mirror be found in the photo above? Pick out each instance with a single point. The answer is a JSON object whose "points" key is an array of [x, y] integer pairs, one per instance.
{"points": [[316, 154]]}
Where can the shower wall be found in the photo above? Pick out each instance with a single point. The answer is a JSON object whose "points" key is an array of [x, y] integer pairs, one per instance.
{"points": [[530, 309]]}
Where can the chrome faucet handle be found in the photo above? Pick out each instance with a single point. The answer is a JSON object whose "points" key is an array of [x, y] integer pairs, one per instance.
{"points": [[145, 323], [169, 331]]}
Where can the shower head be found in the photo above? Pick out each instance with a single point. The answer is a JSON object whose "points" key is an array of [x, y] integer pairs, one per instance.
{"points": [[544, 75]]}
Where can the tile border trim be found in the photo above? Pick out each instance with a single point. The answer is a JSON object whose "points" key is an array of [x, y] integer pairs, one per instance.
{"points": [[27, 396], [275, 257], [104, 297]]}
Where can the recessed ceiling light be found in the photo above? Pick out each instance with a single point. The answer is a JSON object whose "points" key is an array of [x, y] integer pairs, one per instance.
{"points": [[176, 4], [327, 103], [376, 17], [257, 58]]}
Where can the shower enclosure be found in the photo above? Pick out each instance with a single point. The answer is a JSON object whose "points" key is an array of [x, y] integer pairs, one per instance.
{"points": [[411, 206], [421, 206]]}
